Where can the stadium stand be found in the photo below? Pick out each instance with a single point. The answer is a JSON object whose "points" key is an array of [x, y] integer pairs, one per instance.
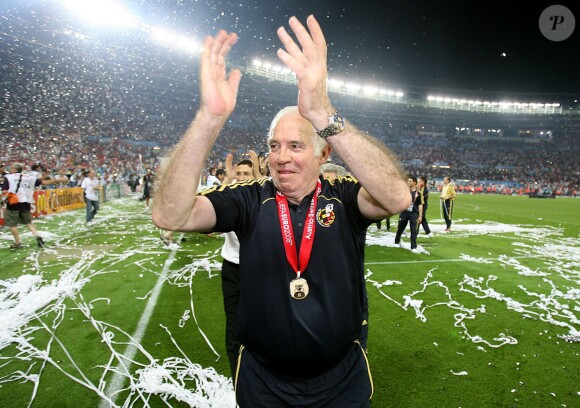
{"points": [[118, 103]]}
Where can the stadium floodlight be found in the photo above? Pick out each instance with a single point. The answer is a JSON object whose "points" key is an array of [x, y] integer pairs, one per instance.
{"points": [[353, 87], [370, 90], [102, 12], [335, 83], [257, 63], [430, 98], [399, 94], [178, 42]]}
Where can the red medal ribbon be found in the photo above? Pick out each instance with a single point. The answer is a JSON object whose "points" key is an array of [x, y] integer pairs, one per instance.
{"points": [[298, 262]]}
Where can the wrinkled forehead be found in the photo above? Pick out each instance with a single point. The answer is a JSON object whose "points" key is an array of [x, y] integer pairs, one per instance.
{"points": [[292, 128]]}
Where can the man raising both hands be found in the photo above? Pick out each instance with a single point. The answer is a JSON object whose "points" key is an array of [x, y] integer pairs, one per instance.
{"points": [[301, 252]]}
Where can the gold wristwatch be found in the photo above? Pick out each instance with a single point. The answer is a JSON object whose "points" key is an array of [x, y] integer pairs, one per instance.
{"points": [[335, 125]]}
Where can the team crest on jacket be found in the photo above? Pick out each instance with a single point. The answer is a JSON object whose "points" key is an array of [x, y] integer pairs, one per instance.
{"points": [[325, 216]]}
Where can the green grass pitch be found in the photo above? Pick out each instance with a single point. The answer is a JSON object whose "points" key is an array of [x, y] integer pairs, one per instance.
{"points": [[486, 316]]}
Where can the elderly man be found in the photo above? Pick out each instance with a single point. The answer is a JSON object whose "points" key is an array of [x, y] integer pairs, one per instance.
{"points": [[301, 252]]}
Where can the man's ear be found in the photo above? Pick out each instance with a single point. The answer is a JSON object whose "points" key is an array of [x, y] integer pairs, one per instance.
{"points": [[326, 151]]}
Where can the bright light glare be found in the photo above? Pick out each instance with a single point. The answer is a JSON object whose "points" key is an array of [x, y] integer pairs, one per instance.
{"points": [[102, 12], [175, 41]]}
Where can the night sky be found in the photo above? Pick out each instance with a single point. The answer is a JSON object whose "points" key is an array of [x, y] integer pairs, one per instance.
{"points": [[470, 48], [487, 46]]}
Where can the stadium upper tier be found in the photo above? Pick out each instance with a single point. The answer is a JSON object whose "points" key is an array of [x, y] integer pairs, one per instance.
{"points": [[127, 89]]}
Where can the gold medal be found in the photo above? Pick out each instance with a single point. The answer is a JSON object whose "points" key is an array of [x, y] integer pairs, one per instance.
{"points": [[299, 289]]}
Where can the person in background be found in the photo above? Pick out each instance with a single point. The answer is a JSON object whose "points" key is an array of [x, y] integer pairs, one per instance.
{"points": [[242, 172], [412, 215], [424, 191], [301, 257], [447, 197], [3, 172], [331, 171], [91, 188], [220, 176], [23, 186], [61, 179], [147, 184], [212, 180]]}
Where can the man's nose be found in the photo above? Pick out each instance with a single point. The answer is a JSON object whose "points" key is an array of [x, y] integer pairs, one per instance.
{"points": [[283, 157]]}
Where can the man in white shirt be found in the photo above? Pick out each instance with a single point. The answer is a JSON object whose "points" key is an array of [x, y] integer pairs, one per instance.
{"points": [[23, 185], [91, 189], [212, 180]]}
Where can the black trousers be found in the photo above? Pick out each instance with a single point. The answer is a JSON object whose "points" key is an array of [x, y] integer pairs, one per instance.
{"points": [[424, 222], [231, 292], [407, 217], [388, 224], [447, 211], [347, 385]]}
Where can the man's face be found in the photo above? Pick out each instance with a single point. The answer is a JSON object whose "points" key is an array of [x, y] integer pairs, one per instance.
{"points": [[411, 183], [420, 183], [244, 172], [293, 164]]}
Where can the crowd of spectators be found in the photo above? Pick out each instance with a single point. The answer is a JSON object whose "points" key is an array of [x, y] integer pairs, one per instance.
{"points": [[72, 106]]}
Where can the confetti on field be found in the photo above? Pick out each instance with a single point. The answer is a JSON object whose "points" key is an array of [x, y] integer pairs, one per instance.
{"points": [[35, 301], [30, 300], [546, 243]]}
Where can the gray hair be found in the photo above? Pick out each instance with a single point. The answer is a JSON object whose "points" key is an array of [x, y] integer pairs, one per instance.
{"points": [[18, 167], [333, 168], [318, 142]]}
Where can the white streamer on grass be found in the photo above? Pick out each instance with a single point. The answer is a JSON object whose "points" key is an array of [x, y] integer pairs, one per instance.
{"points": [[31, 300], [557, 308]]}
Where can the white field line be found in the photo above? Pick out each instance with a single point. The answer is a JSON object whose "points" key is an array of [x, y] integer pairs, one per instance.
{"points": [[446, 260], [118, 379]]}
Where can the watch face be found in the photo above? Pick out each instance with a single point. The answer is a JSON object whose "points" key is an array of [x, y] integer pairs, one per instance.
{"points": [[337, 122], [335, 126]]}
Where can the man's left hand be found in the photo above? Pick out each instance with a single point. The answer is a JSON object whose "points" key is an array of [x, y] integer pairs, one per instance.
{"points": [[309, 65]]}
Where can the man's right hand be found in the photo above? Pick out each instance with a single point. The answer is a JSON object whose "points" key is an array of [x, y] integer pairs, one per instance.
{"points": [[218, 90]]}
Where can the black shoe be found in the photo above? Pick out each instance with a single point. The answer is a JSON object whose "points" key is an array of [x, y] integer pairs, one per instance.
{"points": [[15, 245], [40, 242]]}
